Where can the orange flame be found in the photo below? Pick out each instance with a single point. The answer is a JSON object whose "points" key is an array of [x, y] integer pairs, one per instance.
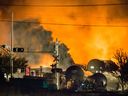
{"points": [[45, 61], [84, 42]]}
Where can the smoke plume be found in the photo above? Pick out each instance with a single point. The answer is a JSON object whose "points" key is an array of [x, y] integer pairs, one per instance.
{"points": [[84, 42], [37, 41]]}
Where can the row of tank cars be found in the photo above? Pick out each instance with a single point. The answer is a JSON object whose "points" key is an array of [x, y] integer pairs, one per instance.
{"points": [[98, 76], [104, 77]]}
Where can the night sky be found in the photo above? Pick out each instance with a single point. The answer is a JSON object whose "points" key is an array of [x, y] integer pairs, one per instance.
{"points": [[90, 28]]}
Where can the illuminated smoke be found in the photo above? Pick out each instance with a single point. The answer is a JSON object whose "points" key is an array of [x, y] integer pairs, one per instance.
{"points": [[4, 30], [84, 42], [5, 10], [30, 35]]}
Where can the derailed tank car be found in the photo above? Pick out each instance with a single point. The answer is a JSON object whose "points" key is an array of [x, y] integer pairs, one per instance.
{"points": [[100, 81], [75, 74], [96, 82], [96, 66]]}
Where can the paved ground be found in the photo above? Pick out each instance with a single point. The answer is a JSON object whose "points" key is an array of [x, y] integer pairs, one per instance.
{"points": [[34, 88], [16, 92]]}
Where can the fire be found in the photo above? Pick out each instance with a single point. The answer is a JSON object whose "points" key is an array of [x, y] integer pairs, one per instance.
{"points": [[4, 33], [84, 42], [45, 61], [105, 41]]}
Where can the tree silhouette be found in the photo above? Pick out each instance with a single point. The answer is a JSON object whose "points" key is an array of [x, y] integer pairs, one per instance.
{"points": [[111, 66], [5, 61], [122, 57]]}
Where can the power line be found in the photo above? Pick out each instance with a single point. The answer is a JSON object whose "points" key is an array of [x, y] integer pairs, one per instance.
{"points": [[82, 25], [65, 24], [71, 5]]}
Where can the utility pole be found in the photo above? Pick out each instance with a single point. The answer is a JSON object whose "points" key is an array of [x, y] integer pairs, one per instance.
{"points": [[55, 67], [57, 64], [11, 57]]}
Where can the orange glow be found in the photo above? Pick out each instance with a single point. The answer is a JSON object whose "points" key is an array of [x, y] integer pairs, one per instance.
{"points": [[46, 60], [88, 73], [84, 42], [4, 33]]}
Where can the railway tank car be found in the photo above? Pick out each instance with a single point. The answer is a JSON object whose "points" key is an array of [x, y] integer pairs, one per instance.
{"points": [[96, 66], [76, 73]]}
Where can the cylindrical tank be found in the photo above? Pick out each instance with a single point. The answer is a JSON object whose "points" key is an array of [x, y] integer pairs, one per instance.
{"points": [[76, 73], [106, 80], [96, 66], [99, 79]]}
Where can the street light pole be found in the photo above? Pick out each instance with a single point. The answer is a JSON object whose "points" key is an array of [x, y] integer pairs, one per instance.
{"points": [[11, 58]]}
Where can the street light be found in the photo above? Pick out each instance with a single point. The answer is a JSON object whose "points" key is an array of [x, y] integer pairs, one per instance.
{"points": [[18, 49]]}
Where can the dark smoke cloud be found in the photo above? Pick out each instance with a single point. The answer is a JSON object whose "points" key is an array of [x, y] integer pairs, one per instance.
{"points": [[5, 9], [124, 9], [30, 35], [118, 11]]}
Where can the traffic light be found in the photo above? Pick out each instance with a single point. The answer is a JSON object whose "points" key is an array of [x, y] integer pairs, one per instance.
{"points": [[18, 49]]}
